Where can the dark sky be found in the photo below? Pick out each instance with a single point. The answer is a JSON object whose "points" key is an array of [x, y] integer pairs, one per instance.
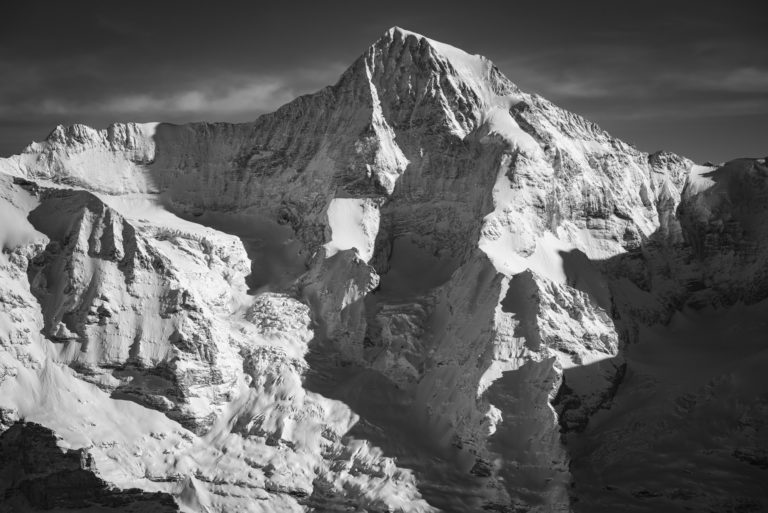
{"points": [[690, 77]]}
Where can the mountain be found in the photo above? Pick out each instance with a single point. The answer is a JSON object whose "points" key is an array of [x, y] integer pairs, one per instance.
{"points": [[420, 289]]}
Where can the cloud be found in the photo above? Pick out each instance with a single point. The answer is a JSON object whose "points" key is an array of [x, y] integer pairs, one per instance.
{"points": [[563, 82], [576, 87], [740, 80], [612, 85], [258, 96], [740, 107], [262, 95], [225, 97]]}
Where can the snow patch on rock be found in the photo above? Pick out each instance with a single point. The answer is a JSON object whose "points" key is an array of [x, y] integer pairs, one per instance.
{"points": [[354, 224]]}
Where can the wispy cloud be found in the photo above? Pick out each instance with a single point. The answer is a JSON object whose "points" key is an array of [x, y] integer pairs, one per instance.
{"points": [[582, 72], [225, 97], [608, 85], [702, 111], [740, 80], [257, 96]]}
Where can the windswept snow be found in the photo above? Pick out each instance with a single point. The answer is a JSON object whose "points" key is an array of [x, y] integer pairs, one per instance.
{"points": [[546, 259], [472, 68], [15, 229], [501, 123], [700, 179], [353, 223]]}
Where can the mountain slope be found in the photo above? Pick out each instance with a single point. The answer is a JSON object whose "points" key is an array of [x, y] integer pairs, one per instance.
{"points": [[409, 291]]}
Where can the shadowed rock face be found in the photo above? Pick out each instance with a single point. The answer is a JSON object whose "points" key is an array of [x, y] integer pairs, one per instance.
{"points": [[37, 475], [418, 289]]}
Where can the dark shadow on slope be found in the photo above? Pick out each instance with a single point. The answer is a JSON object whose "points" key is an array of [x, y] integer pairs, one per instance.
{"points": [[387, 417], [387, 421], [688, 427], [683, 427], [413, 270], [277, 257], [583, 275], [520, 300], [524, 439], [37, 475]]}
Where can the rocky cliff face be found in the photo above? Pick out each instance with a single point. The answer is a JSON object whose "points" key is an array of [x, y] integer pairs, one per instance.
{"points": [[419, 289]]}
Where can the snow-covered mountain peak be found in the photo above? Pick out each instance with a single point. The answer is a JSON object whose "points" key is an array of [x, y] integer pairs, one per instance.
{"points": [[462, 68], [366, 300], [475, 67]]}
